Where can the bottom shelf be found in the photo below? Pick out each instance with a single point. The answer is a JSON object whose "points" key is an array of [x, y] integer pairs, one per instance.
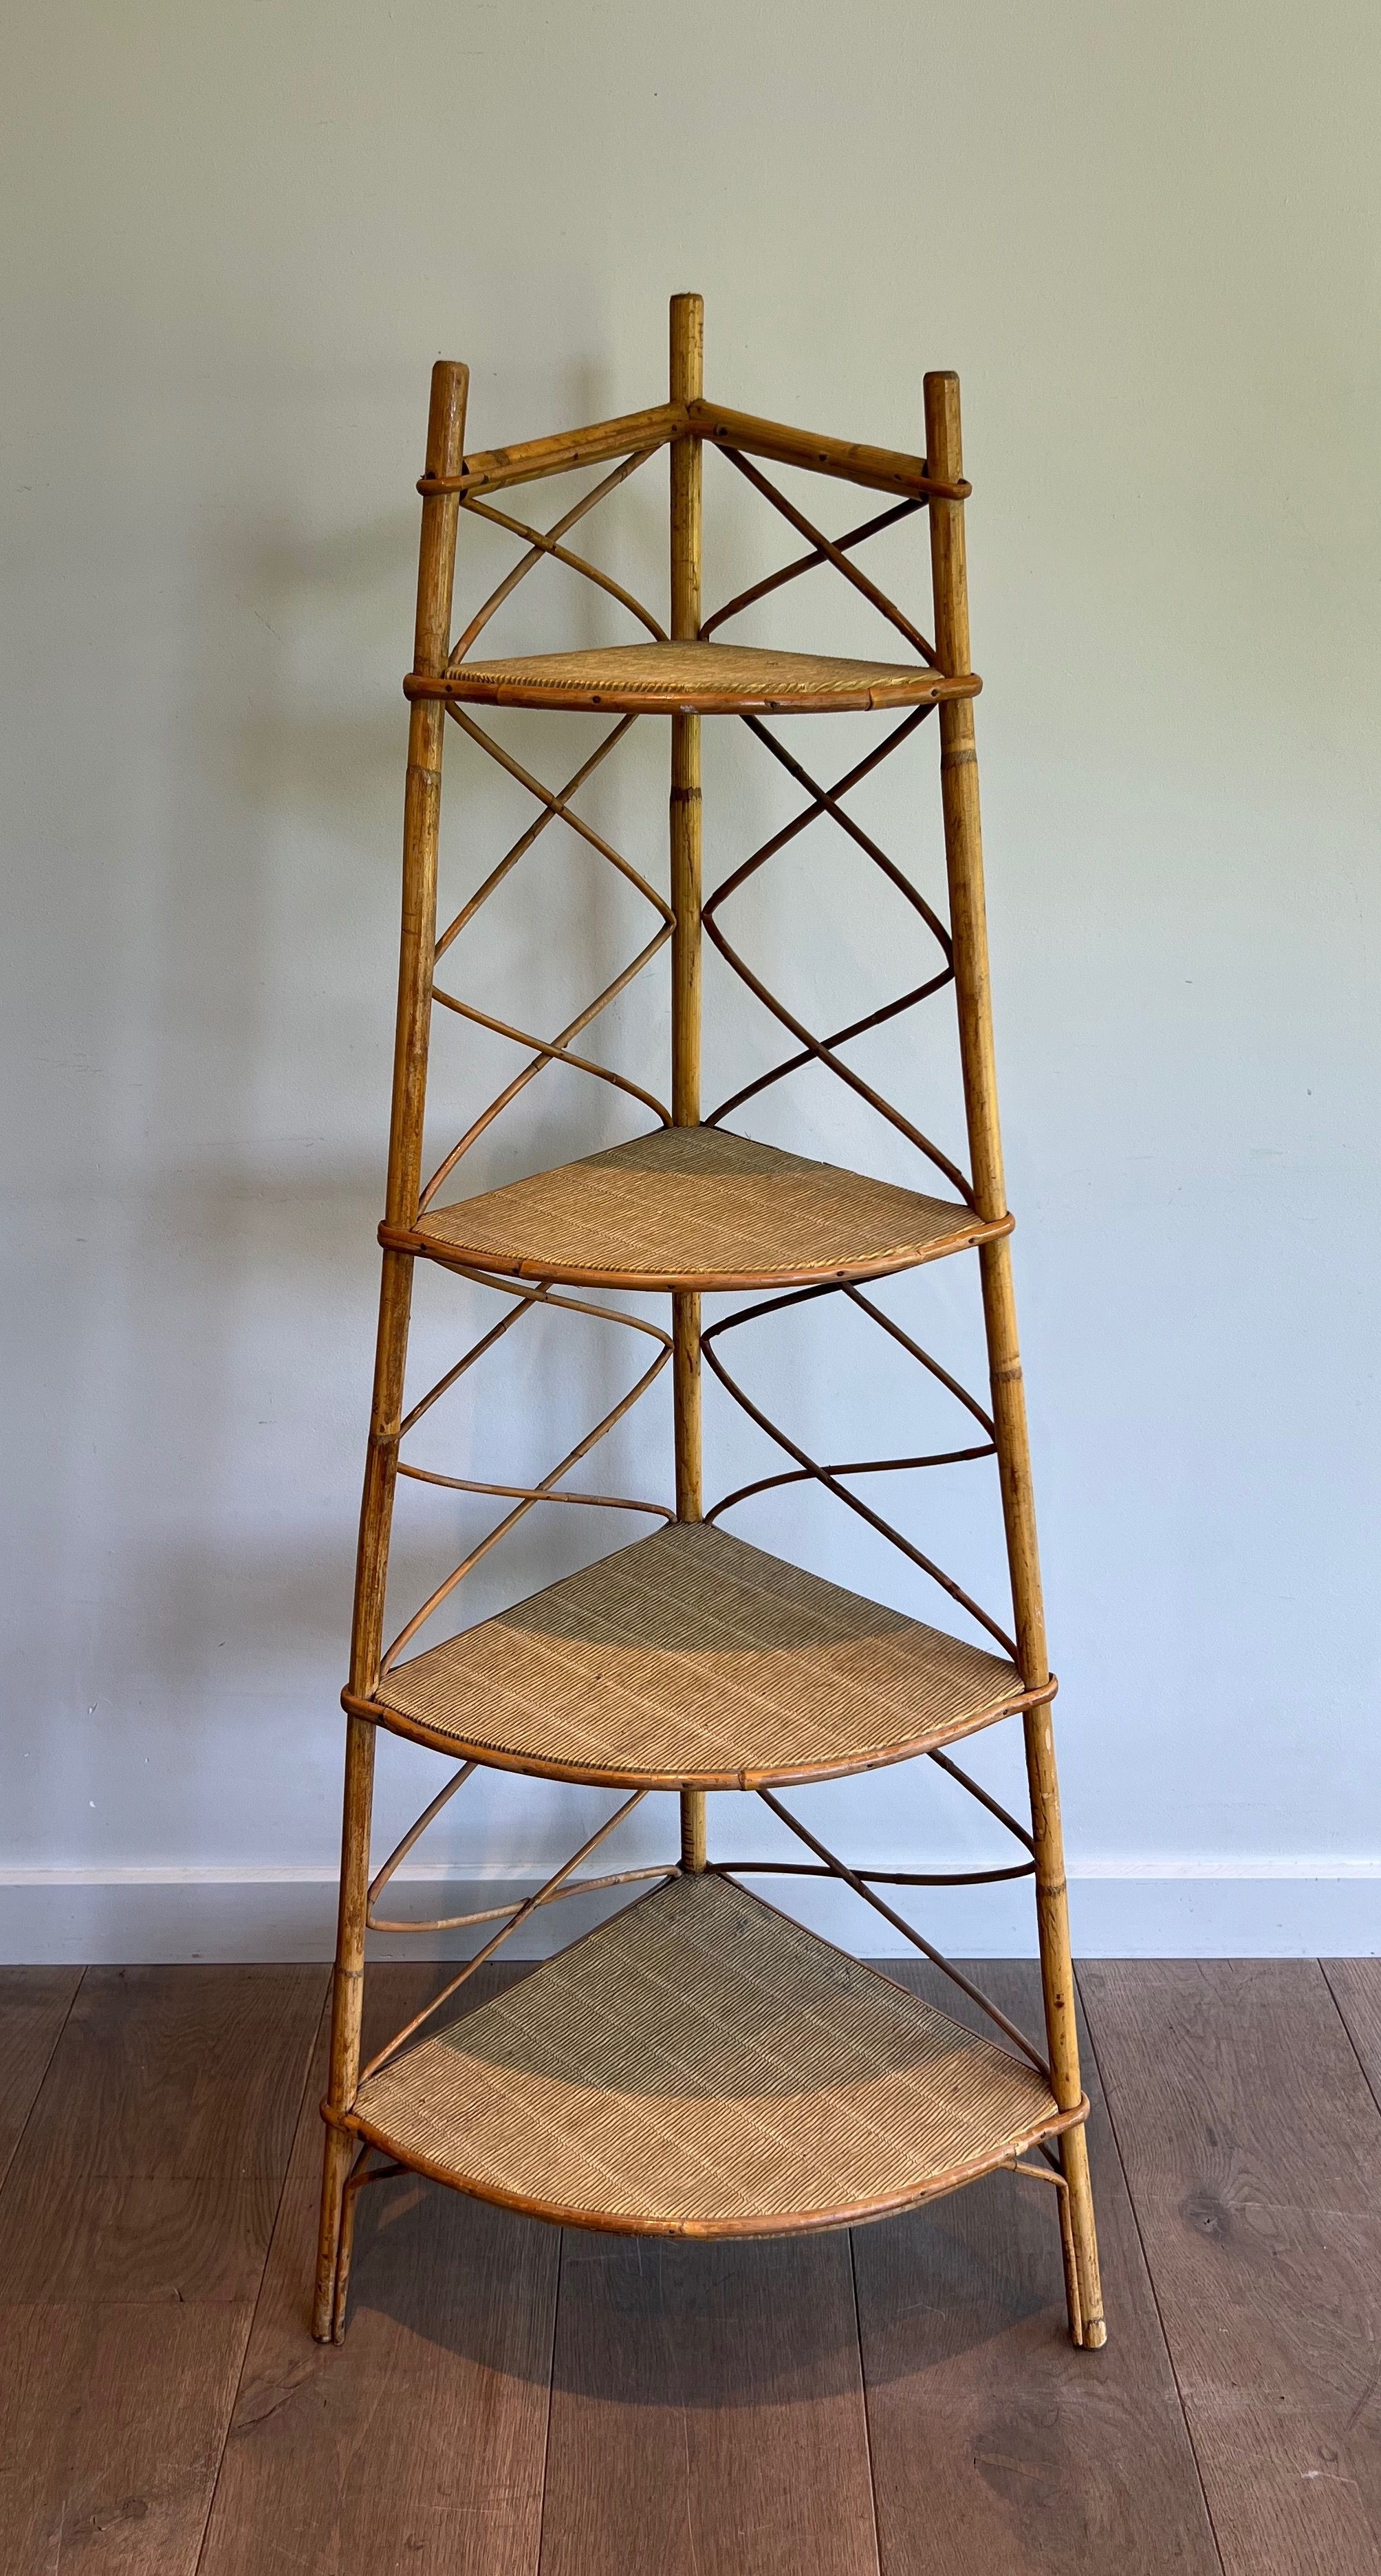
{"points": [[702, 2066]]}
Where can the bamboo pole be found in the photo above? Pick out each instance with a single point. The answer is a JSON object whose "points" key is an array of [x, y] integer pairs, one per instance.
{"points": [[964, 858], [687, 374], [879, 469], [497, 468], [421, 819]]}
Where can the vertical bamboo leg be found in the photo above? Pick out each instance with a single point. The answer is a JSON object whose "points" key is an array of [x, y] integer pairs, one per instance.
{"points": [[421, 821], [964, 857], [350, 2204], [687, 384]]}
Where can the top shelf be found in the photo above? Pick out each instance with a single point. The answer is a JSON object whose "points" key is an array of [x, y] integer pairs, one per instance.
{"points": [[684, 679]]}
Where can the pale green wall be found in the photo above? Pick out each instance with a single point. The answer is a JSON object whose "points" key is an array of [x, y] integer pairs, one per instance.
{"points": [[1148, 239]]}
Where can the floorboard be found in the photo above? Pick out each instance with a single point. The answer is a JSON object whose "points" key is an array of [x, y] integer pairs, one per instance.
{"points": [[996, 2446], [1252, 2147], [34, 2004], [134, 2223], [707, 2412], [1355, 1985], [112, 2418], [418, 2444], [512, 2403]]}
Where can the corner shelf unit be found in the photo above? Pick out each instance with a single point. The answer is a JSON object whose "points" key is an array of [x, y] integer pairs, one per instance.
{"points": [[700, 2064]]}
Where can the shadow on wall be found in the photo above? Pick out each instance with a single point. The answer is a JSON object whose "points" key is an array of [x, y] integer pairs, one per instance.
{"points": [[241, 989], [308, 930], [238, 986]]}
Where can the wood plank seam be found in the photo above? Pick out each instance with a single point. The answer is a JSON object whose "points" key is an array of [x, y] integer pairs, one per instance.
{"points": [[309, 2060], [18, 2139], [1367, 2077], [1109, 2098], [867, 2400]]}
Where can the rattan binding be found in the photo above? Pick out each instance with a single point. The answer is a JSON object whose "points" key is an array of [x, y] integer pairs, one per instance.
{"points": [[694, 1207], [703, 2066]]}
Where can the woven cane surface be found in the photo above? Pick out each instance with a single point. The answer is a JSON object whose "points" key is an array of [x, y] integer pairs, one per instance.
{"points": [[713, 675], [701, 2064], [690, 1203], [693, 1657]]}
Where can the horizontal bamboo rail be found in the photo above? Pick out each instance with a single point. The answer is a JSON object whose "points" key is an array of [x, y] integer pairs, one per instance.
{"points": [[878, 469], [497, 467]]}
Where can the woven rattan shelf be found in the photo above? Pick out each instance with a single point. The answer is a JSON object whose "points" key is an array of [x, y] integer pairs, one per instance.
{"points": [[702, 2066], [692, 1660], [694, 1208], [703, 679], [698, 2065]]}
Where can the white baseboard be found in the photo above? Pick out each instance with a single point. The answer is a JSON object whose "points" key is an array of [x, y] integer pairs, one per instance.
{"points": [[1269, 1909]]}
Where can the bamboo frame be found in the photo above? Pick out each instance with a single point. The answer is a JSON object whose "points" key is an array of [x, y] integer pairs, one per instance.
{"points": [[687, 373], [964, 862], [684, 425]]}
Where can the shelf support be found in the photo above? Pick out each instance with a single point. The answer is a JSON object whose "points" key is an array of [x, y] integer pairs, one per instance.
{"points": [[964, 862], [421, 823], [686, 386]]}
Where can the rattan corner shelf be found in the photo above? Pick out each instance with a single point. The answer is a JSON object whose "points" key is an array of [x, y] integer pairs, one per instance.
{"points": [[695, 1209], [700, 2064]]}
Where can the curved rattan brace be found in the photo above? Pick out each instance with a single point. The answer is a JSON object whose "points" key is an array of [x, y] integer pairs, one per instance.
{"points": [[573, 1887], [1033, 1700], [514, 1923], [805, 563], [548, 1054], [550, 814], [411, 1837], [837, 1037], [819, 1050], [826, 799], [535, 1493], [476, 1351], [829, 1477], [840, 1869], [541, 1291], [873, 1877], [833, 553], [557, 808], [560, 809], [553, 1052], [526, 1294], [878, 1315], [951, 1384], [544, 542], [358, 2176], [849, 1467], [532, 1496], [1049, 2171]]}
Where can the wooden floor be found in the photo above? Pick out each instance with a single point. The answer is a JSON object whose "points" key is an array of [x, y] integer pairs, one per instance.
{"points": [[515, 2403]]}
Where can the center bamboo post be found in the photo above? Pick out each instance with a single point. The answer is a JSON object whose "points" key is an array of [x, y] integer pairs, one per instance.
{"points": [[421, 824], [968, 923], [687, 385]]}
